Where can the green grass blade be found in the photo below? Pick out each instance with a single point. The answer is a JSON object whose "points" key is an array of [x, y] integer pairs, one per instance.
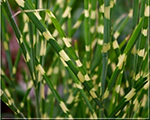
{"points": [[10, 104]]}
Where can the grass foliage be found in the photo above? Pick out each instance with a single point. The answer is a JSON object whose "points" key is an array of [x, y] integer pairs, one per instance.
{"points": [[94, 62]]}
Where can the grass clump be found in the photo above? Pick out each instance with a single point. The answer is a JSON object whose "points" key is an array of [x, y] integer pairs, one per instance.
{"points": [[79, 67]]}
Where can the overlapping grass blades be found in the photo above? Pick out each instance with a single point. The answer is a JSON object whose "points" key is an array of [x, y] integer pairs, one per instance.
{"points": [[110, 81]]}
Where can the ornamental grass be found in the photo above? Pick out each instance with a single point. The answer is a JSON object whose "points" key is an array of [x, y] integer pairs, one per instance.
{"points": [[80, 59]]}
